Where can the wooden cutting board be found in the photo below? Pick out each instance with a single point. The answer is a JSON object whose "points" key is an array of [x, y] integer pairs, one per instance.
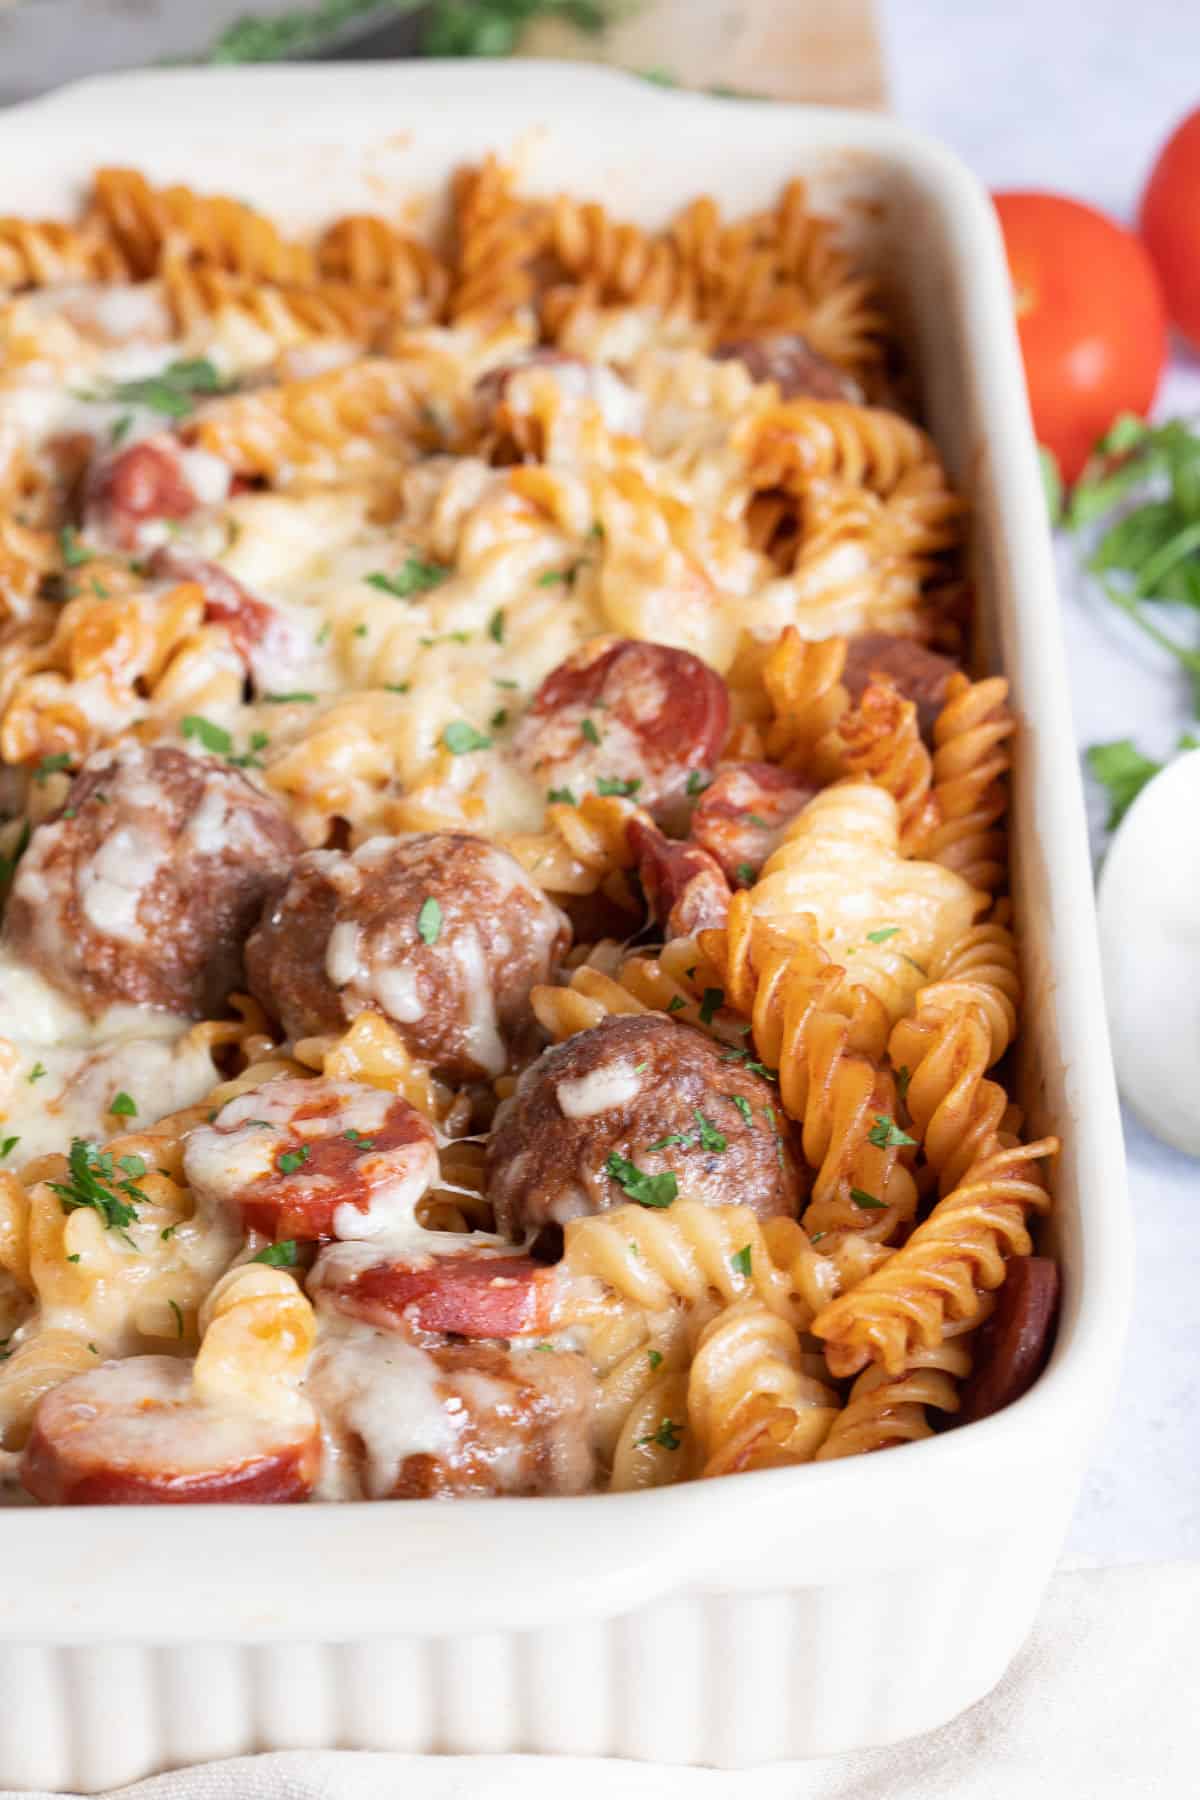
{"points": [[815, 50]]}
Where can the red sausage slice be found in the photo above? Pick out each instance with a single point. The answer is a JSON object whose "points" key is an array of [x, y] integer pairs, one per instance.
{"points": [[739, 817], [684, 887], [628, 717], [267, 642], [313, 1159], [480, 1295], [919, 673], [144, 482], [130, 1433], [1015, 1341], [790, 361]]}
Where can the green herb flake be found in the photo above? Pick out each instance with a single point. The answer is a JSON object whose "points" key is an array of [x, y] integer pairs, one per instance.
{"points": [[397, 687], [667, 1437], [75, 1258], [743, 1106], [92, 1184], [885, 1134], [413, 577], [613, 785], [460, 738], [739, 1262], [120, 429], [654, 1358], [429, 921], [710, 1137], [358, 1139], [38, 1070], [496, 626], [213, 737], [9, 1145], [903, 1077], [711, 1003], [561, 797], [861, 1198], [278, 1256], [657, 1191], [883, 934], [697, 781], [288, 1161], [175, 1308], [552, 577], [74, 553], [676, 1003], [588, 730], [300, 697], [123, 1106], [745, 874], [51, 765], [172, 392], [499, 719]]}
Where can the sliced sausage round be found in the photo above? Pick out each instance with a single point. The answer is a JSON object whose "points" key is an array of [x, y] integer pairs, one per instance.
{"points": [[405, 1421], [131, 492], [1014, 1343], [684, 888], [475, 1293], [300, 1159], [443, 933], [131, 1433], [740, 815], [919, 673], [625, 717], [789, 360], [269, 644], [146, 884], [597, 1118]]}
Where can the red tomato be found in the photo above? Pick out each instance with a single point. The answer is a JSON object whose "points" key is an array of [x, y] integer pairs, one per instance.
{"points": [[1091, 319], [1169, 221]]}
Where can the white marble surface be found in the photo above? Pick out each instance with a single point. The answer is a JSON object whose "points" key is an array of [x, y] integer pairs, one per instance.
{"points": [[1077, 98]]}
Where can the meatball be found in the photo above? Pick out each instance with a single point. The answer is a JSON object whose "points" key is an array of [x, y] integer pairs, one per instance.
{"points": [[406, 1421], [145, 886], [625, 717], [789, 360], [132, 1432], [637, 1096], [444, 934], [920, 674], [296, 1158]]}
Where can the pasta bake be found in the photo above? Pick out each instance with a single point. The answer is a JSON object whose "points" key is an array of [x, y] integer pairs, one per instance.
{"points": [[507, 945]]}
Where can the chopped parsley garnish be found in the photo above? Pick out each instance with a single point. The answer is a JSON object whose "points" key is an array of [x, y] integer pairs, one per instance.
{"points": [[745, 874], [168, 1232], [38, 1070], [561, 797], [322, 636], [504, 682], [300, 696], [174, 1306], [754, 1068], [288, 1161], [278, 1256], [588, 730], [397, 687], [413, 577], [553, 576], [120, 429], [676, 1003], [496, 626], [664, 1143], [757, 819], [133, 1166], [250, 759], [213, 737], [51, 765], [74, 1259], [885, 1134], [861, 1198], [92, 1183], [357, 1139], [739, 1262], [710, 1137], [99, 589], [499, 719], [654, 1358], [73, 552], [172, 392], [360, 631], [667, 1437], [711, 1003], [123, 1106], [429, 921], [10, 1143], [698, 780], [613, 784], [817, 1236], [647, 1190], [903, 1077], [883, 934], [459, 738], [743, 1106]]}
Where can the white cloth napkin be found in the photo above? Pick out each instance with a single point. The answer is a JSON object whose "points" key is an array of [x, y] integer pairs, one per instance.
{"points": [[1100, 1705]]}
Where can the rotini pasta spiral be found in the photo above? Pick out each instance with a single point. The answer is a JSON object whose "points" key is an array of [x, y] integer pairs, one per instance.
{"points": [[970, 763], [751, 1401]]}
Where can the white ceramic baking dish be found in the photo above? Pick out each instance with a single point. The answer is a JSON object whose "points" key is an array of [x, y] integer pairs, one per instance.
{"points": [[783, 1614]]}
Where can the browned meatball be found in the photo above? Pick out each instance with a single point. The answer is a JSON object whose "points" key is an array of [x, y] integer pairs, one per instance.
{"points": [[444, 934], [410, 1421], [144, 887], [642, 1093], [789, 360], [920, 674]]}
